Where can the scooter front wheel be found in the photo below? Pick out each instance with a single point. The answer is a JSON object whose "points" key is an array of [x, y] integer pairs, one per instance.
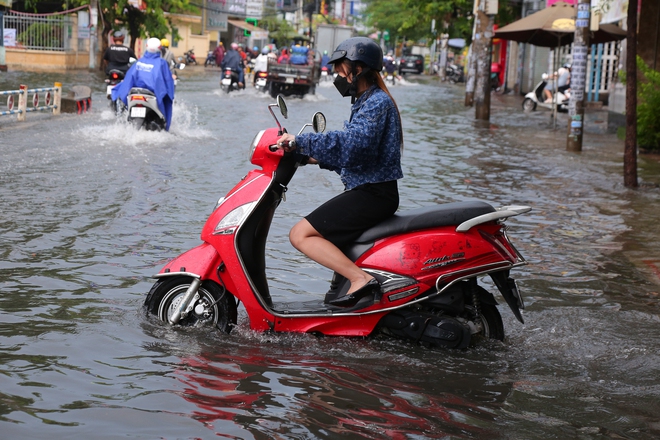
{"points": [[528, 105], [212, 305]]}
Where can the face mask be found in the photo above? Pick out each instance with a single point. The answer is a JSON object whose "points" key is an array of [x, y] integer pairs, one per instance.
{"points": [[343, 86]]}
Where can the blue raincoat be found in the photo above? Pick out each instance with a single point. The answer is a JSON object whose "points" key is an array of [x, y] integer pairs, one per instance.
{"points": [[150, 72]]}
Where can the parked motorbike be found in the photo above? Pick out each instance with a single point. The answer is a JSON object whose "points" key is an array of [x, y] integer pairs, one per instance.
{"points": [[210, 59], [261, 81], [115, 76], [535, 98], [143, 110], [190, 57], [495, 70], [494, 81], [229, 81], [454, 73], [426, 260]]}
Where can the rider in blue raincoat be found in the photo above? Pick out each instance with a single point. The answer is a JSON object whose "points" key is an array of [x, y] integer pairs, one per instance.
{"points": [[150, 72]]}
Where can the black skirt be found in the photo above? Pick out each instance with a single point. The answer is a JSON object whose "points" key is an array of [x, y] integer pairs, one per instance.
{"points": [[345, 217]]}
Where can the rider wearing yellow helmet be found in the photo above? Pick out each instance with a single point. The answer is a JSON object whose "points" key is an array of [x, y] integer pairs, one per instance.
{"points": [[167, 54]]}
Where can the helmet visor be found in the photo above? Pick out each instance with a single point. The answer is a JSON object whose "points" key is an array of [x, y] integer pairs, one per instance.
{"points": [[337, 56]]}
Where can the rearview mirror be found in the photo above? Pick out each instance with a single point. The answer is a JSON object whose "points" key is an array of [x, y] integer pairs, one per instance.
{"points": [[282, 105], [318, 122]]}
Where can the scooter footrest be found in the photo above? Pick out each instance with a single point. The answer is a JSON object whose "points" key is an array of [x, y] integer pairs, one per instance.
{"points": [[305, 307]]}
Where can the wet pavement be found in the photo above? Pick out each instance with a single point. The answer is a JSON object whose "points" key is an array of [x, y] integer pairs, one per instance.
{"points": [[93, 208]]}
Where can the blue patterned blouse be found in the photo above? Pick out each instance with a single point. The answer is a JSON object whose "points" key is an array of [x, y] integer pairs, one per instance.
{"points": [[368, 150]]}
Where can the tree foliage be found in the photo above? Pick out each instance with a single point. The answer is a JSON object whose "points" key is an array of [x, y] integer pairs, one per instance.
{"points": [[279, 30], [648, 108], [412, 18], [150, 22]]}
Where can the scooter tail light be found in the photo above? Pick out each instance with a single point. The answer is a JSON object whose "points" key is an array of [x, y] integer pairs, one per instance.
{"points": [[138, 98], [234, 218], [500, 243]]}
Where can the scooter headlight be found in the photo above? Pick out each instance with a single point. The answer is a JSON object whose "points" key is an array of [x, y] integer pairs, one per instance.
{"points": [[233, 219], [255, 142]]}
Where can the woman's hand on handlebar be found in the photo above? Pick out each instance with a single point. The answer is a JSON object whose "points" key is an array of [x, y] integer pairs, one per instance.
{"points": [[287, 142]]}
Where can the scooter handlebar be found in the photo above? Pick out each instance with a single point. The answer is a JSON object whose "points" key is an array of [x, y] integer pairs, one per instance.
{"points": [[283, 145]]}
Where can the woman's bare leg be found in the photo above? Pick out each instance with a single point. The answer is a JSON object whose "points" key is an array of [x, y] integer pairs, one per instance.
{"points": [[307, 240]]}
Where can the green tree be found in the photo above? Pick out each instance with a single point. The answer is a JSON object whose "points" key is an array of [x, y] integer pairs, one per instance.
{"points": [[150, 22], [412, 18], [279, 30], [648, 108]]}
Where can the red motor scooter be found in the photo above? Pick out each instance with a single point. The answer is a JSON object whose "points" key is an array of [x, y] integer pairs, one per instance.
{"points": [[427, 261]]}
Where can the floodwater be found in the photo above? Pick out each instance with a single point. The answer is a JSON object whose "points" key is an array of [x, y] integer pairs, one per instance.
{"points": [[91, 209]]}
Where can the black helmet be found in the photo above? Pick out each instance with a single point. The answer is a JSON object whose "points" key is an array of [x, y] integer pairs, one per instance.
{"points": [[359, 49]]}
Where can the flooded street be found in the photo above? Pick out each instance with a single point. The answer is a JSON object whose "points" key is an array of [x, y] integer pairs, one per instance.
{"points": [[92, 209]]}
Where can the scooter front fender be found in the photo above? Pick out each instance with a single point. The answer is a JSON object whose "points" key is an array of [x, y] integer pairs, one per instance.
{"points": [[201, 261]]}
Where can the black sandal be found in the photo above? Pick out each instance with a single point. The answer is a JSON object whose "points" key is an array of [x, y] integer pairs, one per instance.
{"points": [[371, 288]]}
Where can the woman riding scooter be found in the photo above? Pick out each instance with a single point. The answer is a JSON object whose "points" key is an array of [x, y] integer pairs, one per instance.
{"points": [[367, 156]]}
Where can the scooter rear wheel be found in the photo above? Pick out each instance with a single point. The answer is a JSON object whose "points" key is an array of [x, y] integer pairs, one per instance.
{"points": [[213, 306], [491, 320]]}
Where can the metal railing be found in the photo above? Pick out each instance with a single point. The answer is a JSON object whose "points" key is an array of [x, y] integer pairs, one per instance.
{"points": [[37, 31], [52, 101]]}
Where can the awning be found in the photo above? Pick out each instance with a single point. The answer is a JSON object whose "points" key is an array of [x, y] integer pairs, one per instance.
{"points": [[256, 32]]}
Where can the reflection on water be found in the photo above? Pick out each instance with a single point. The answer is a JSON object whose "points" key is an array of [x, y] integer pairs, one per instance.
{"points": [[92, 208]]}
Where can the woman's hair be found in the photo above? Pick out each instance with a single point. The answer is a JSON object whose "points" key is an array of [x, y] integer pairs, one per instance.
{"points": [[373, 77]]}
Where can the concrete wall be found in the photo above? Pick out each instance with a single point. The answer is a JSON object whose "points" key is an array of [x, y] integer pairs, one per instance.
{"points": [[23, 59]]}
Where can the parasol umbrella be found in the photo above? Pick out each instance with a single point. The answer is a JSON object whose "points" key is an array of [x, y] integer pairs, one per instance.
{"points": [[554, 27], [458, 43]]}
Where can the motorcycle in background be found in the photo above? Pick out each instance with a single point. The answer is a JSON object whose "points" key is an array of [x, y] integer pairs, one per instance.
{"points": [[427, 261], [143, 110], [454, 73], [261, 81], [325, 73], [189, 57], [535, 98], [115, 76], [210, 59], [229, 81]]}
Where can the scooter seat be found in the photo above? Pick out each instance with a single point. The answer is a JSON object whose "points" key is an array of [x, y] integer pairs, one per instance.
{"points": [[141, 91], [427, 217]]}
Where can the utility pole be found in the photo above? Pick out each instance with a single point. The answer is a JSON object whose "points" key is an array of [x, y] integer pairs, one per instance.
{"points": [[578, 76], [630, 149], [484, 20], [471, 73], [442, 69], [93, 29], [3, 66]]}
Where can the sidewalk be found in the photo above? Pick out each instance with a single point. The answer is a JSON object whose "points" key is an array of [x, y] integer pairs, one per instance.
{"points": [[596, 120]]}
